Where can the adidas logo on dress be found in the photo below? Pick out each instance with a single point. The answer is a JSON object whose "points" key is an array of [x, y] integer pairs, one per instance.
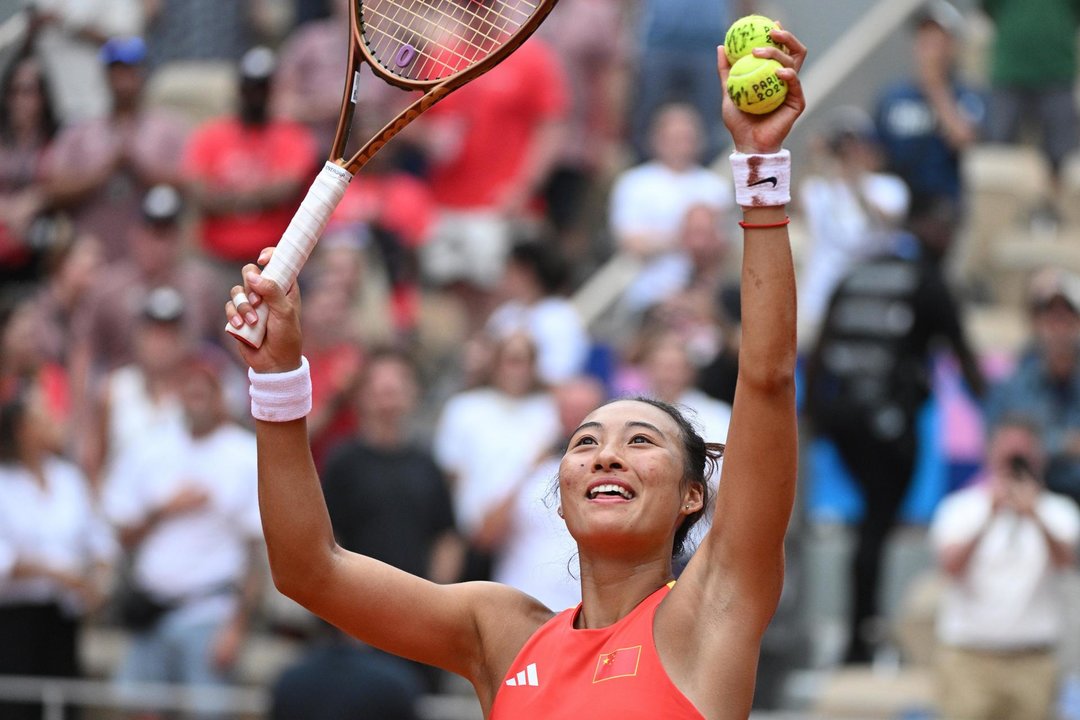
{"points": [[526, 677]]}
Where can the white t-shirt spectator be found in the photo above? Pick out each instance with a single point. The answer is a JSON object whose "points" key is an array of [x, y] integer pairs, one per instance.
{"points": [[489, 441], [1008, 596], [202, 550], [652, 199], [539, 556], [56, 526], [562, 344]]}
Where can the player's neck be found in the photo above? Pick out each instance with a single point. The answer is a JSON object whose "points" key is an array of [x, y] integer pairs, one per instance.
{"points": [[610, 589]]}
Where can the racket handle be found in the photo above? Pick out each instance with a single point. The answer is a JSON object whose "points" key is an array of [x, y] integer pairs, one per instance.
{"points": [[299, 240]]}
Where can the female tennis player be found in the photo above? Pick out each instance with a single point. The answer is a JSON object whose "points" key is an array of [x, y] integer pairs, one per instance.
{"points": [[631, 483]]}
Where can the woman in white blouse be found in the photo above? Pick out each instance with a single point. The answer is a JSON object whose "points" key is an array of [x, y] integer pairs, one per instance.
{"points": [[54, 547]]}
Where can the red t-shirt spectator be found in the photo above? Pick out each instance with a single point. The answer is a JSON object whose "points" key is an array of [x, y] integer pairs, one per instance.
{"points": [[500, 112], [397, 202], [226, 155]]}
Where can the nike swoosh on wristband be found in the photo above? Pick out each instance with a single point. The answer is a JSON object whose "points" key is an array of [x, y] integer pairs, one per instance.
{"points": [[771, 180]]}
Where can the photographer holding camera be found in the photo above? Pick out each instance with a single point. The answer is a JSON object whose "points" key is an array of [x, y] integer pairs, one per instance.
{"points": [[1002, 544]]}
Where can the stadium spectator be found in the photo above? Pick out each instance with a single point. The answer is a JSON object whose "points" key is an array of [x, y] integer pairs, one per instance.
{"points": [[488, 438], [649, 202], [390, 213], [668, 375], [696, 271], [1035, 82], [24, 360], [309, 80], [155, 257], [598, 75], [28, 124], [1003, 544], [99, 169], [1046, 382], [534, 552], [868, 378], [704, 309], [535, 274], [482, 195], [852, 209], [926, 122], [55, 550], [70, 280], [142, 397], [336, 360], [386, 496], [247, 172], [678, 41], [185, 503], [67, 37]]}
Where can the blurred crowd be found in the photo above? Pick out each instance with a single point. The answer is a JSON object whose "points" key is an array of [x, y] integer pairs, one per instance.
{"points": [[551, 236]]}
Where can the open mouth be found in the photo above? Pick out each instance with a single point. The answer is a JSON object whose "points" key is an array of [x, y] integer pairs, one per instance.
{"points": [[610, 490]]}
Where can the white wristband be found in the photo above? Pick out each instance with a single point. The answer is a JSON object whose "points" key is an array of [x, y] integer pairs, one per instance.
{"points": [[281, 397], [762, 180]]}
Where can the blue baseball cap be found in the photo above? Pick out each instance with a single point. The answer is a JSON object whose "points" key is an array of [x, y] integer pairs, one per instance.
{"points": [[123, 50]]}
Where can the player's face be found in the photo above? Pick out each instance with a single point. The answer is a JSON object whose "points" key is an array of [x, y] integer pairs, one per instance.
{"points": [[620, 480]]}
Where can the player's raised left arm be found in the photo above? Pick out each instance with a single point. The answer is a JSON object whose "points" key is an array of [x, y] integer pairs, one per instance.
{"points": [[743, 557]]}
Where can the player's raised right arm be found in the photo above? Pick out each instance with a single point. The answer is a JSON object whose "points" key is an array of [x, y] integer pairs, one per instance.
{"points": [[443, 625]]}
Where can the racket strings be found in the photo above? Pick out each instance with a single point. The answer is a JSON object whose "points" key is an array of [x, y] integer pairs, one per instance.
{"points": [[442, 20], [425, 40], [419, 36]]}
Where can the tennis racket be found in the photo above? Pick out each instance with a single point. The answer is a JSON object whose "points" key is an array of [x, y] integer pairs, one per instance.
{"points": [[433, 46]]}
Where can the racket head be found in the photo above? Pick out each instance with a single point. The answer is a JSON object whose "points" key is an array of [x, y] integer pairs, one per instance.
{"points": [[421, 44]]}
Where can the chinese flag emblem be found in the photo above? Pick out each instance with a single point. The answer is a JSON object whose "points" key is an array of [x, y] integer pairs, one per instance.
{"points": [[617, 664]]}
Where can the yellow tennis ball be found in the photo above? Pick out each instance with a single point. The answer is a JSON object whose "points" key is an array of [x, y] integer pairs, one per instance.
{"points": [[754, 86], [748, 33]]}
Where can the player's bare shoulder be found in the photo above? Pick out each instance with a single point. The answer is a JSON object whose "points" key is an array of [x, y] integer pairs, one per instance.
{"points": [[505, 620]]}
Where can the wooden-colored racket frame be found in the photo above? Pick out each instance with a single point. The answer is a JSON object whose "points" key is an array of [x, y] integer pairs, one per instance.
{"points": [[434, 90]]}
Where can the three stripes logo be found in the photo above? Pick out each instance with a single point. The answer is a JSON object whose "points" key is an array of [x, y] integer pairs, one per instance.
{"points": [[525, 678]]}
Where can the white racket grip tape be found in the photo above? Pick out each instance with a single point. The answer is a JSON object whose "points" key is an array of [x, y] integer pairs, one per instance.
{"points": [[299, 240]]}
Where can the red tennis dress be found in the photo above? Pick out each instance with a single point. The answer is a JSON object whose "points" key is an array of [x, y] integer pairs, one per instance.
{"points": [[612, 673]]}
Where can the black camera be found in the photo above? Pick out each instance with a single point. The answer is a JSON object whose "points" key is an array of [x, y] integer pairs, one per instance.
{"points": [[1021, 468]]}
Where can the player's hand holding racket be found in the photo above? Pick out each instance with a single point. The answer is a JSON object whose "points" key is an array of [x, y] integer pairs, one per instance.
{"points": [[432, 46]]}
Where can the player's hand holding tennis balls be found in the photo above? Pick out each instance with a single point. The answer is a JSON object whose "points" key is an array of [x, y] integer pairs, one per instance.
{"points": [[765, 132], [754, 84]]}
